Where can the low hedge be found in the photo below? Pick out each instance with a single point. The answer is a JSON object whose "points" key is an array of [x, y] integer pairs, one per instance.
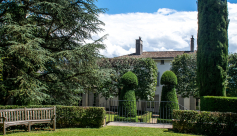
{"points": [[205, 123], [218, 103], [160, 120], [145, 117], [127, 119], [72, 116]]}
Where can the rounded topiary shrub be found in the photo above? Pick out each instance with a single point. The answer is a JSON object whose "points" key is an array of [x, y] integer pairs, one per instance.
{"points": [[129, 79], [168, 78], [168, 95], [127, 104]]}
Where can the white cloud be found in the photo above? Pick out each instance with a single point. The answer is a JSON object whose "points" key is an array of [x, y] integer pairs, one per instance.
{"points": [[166, 29]]}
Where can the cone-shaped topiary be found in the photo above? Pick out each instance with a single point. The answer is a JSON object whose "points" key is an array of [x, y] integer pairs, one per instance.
{"points": [[127, 104], [169, 80]]}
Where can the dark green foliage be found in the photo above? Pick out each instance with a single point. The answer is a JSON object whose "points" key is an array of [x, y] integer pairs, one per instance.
{"points": [[129, 79], [45, 58], [169, 99], [218, 103], [127, 103], [168, 78], [205, 123], [185, 66], [231, 90], [212, 51], [144, 68], [166, 108], [72, 116], [127, 119]]}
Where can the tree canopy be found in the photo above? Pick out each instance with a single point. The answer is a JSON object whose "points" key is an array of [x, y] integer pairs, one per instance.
{"points": [[45, 58], [231, 90], [144, 68], [184, 66], [212, 51]]}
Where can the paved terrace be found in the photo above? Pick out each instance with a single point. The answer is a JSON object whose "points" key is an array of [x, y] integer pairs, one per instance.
{"points": [[160, 125]]}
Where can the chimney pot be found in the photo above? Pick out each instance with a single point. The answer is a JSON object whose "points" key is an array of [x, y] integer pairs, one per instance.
{"points": [[139, 48], [192, 44]]}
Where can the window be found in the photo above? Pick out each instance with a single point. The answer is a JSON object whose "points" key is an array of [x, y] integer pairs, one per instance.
{"points": [[162, 62], [158, 79]]}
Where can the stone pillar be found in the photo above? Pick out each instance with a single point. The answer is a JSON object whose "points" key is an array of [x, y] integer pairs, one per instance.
{"points": [[192, 103], [181, 102], [187, 103], [85, 99]]}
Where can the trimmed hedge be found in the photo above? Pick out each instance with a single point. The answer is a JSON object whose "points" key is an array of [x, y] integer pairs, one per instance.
{"points": [[127, 103], [219, 103], [146, 117], [130, 79], [205, 123], [127, 119], [170, 102], [159, 120], [72, 116]]}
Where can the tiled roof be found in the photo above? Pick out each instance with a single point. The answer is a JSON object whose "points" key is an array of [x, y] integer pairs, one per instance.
{"points": [[156, 54]]}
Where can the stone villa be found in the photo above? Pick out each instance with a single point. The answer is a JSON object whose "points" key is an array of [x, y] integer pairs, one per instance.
{"points": [[163, 59]]}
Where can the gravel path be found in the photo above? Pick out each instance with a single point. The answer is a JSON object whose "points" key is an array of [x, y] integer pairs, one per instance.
{"points": [[160, 125]]}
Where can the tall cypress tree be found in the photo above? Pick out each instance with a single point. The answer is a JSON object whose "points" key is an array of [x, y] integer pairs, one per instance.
{"points": [[45, 57], [212, 51]]}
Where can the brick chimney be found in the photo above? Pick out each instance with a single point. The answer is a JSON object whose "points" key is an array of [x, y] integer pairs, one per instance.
{"points": [[192, 44], [139, 48]]}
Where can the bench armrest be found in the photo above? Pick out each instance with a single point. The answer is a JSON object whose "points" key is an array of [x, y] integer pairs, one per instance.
{"points": [[52, 118], [4, 118]]}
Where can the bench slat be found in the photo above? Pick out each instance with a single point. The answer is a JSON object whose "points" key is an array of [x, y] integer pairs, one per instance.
{"points": [[39, 109], [27, 116], [41, 115], [6, 110], [9, 116], [46, 114]]}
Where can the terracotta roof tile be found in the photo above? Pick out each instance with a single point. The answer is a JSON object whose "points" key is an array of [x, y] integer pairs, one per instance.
{"points": [[156, 54]]}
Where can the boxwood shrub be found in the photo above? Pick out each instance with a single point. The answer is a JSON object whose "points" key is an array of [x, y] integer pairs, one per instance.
{"points": [[145, 117], [205, 123], [72, 116], [126, 119], [218, 103]]}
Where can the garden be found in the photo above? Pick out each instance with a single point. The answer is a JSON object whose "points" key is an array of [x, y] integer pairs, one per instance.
{"points": [[45, 65]]}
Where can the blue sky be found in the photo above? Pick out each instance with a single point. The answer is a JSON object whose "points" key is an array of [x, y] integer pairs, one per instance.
{"points": [[164, 25], [150, 6]]}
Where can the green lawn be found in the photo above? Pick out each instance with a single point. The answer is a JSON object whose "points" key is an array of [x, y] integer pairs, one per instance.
{"points": [[105, 131]]}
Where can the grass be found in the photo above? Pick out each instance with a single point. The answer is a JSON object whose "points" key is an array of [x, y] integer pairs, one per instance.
{"points": [[105, 131]]}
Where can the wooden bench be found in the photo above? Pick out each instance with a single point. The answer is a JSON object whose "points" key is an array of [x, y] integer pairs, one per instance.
{"points": [[27, 117]]}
